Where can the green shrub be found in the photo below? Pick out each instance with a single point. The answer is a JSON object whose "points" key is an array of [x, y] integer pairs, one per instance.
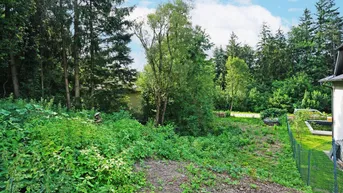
{"points": [[116, 116], [42, 150], [273, 113], [227, 113], [287, 94]]}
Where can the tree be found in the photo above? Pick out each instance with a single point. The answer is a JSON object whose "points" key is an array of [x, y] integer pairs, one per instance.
{"points": [[178, 79], [76, 52], [14, 14], [237, 78], [287, 94], [263, 56], [281, 57], [166, 25], [51, 39], [64, 20], [107, 75], [301, 45], [328, 35], [220, 68], [193, 90], [248, 55], [233, 48]]}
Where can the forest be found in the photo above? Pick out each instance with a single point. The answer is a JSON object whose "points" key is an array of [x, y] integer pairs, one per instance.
{"points": [[76, 52], [62, 61]]}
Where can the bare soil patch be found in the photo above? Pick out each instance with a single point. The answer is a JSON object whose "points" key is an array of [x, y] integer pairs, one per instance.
{"points": [[168, 176], [164, 176]]}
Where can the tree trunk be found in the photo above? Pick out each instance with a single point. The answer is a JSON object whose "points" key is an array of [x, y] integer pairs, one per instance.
{"points": [[158, 107], [65, 63], [231, 105], [12, 65], [92, 52], [76, 55], [42, 77], [232, 94], [14, 76], [66, 81], [164, 110]]}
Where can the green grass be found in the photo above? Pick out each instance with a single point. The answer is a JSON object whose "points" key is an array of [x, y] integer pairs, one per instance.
{"points": [[266, 153], [45, 148], [321, 167], [304, 136]]}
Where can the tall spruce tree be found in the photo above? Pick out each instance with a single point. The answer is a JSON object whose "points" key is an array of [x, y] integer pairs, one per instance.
{"points": [[220, 67], [106, 62], [328, 35], [14, 21], [301, 44]]}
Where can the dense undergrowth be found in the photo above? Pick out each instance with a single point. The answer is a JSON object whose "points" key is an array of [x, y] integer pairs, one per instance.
{"points": [[46, 149]]}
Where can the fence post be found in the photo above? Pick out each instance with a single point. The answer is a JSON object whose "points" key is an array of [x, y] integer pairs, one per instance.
{"points": [[299, 160], [335, 166], [293, 146], [309, 167]]}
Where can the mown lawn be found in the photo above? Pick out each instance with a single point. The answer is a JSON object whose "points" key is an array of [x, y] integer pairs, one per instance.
{"points": [[321, 167], [304, 136], [46, 149]]}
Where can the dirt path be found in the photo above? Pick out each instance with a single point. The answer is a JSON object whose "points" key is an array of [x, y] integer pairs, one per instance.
{"points": [[171, 176]]}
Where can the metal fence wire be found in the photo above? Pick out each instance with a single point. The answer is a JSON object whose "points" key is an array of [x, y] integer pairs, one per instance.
{"points": [[317, 168]]}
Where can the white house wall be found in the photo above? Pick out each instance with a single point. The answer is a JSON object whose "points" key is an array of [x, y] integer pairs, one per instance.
{"points": [[338, 111]]}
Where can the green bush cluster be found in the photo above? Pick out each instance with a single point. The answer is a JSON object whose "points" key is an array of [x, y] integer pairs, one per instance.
{"points": [[294, 92], [273, 113], [56, 151], [42, 150]]}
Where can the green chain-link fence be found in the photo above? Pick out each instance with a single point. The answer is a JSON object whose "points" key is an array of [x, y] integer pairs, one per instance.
{"points": [[316, 168]]}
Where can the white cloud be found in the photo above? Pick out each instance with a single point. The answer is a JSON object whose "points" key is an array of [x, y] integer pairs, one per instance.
{"points": [[222, 19], [219, 20], [140, 12]]}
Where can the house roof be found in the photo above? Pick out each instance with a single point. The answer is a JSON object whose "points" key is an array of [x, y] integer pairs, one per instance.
{"points": [[340, 48], [338, 73], [332, 78]]}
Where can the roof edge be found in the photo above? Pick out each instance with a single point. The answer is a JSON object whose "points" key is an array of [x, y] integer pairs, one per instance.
{"points": [[326, 79], [340, 48]]}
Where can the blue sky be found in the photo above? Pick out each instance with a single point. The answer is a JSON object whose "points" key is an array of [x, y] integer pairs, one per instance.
{"points": [[220, 17]]}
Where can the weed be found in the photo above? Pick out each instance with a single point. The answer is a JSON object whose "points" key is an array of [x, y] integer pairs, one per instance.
{"points": [[58, 151]]}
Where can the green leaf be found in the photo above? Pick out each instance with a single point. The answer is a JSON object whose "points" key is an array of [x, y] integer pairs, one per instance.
{"points": [[4, 112]]}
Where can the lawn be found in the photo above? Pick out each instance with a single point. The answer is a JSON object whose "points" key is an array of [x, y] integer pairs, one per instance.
{"points": [[321, 167], [303, 135], [45, 148]]}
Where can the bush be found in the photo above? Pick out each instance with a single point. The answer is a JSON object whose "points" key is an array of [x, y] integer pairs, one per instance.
{"points": [[273, 113], [116, 116], [288, 93], [65, 152], [316, 100]]}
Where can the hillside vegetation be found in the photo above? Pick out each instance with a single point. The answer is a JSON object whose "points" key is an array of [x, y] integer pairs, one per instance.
{"points": [[46, 149]]}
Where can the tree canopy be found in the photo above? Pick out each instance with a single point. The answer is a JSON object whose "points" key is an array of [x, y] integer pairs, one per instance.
{"points": [[76, 52]]}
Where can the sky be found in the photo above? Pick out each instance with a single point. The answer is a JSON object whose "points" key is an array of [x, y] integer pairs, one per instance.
{"points": [[220, 18]]}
